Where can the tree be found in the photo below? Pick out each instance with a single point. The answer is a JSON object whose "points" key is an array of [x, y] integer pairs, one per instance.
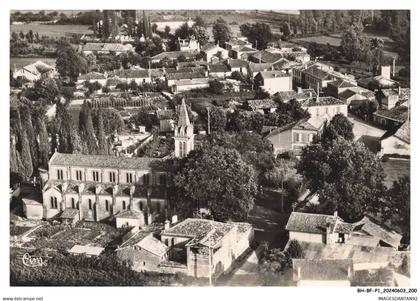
{"points": [[87, 133], [63, 123], [199, 21], [26, 121], [167, 30], [295, 250], [216, 87], [286, 30], [183, 32], [221, 31], [40, 128], [339, 126], [217, 178], [272, 265], [346, 175], [103, 148], [44, 89], [396, 206], [70, 64], [259, 34], [354, 43], [217, 119], [200, 33], [25, 155]]}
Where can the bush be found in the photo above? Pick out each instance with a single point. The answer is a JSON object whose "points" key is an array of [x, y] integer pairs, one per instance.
{"points": [[295, 249]]}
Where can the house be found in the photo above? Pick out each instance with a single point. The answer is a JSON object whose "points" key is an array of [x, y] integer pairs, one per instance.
{"points": [[140, 76], [143, 252], [335, 88], [255, 68], [322, 272], [236, 65], [211, 50], [396, 141], [190, 84], [129, 218], [264, 56], [324, 109], [243, 52], [300, 95], [172, 56], [190, 44], [263, 106], [352, 97], [273, 81], [35, 71], [206, 247], [237, 43], [390, 119], [69, 216], [389, 98], [105, 48], [172, 77], [292, 137], [294, 53], [92, 77], [382, 81], [100, 186], [32, 208], [219, 70], [331, 230], [86, 250], [316, 78]]}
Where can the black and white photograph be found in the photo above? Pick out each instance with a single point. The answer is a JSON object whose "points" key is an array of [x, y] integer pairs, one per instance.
{"points": [[209, 148]]}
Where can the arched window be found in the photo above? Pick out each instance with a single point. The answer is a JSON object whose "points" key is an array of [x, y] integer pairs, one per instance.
{"points": [[90, 204], [123, 205], [106, 205], [73, 203], [141, 206]]}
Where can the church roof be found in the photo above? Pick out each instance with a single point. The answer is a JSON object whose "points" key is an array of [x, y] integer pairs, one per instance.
{"points": [[183, 120]]}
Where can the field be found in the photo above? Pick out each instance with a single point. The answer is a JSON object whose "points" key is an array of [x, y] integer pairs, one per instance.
{"points": [[395, 169], [54, 31], [19, 62]]}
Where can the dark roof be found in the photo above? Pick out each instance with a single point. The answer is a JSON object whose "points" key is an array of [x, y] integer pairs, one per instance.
{"points": [[403, 93], [323, 101], [340, 83], [208, 47], [237, 63], [256, 104], [116, 47], [131, 214], [132, 73], [298, 125], [165, 114], [267, 57], [285, 96], [186, 75], [216, 68], [309, 222], [346, 94], [398, 113], [322, 269], [69, 213], [318, 73], [246, 49], [91, 76], [102, 161]]}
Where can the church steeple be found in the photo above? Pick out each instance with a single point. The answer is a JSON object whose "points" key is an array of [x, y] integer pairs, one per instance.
{"points": [[184, 133]]}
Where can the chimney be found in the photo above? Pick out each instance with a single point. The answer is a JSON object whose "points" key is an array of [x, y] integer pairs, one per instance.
{"points": [[298, 273], [167, 224], [299, 89], [115, 189], [132, 189], [97, 189], [335, 213], [174, 219], [399, 91], [349, 272]]}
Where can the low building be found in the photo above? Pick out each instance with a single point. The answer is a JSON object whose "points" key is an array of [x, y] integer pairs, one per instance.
{"points": [[263, 106], [338, 86], [190, 44], [219, 70], [243, 52], [211, 50], [390, 119], [190, 84], [237, 65], [35, 71], [396, 141], [389, 98], [69, 216], [32, 208], [206, 247], [290, 138], [255, 68], [190, 73], [323, 272], [166, 120], [324, 108], [92, 77], [143, 252], [137, 75], [264, 56], [129, 218], [105, 48], [172, 56], [300, 95], [331, 229], [89, 251], [274, 81]]}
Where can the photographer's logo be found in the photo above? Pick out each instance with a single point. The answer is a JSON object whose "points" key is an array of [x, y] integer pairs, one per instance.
{"points": [[34, 261]]}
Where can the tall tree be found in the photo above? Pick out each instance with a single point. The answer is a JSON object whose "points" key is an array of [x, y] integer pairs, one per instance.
{"points": [[220, 180], [64, 128], [40, 128], [87, 132], [339, 126], [103, 148], [70, 63], [26, 120], [259, 34], [346, 175], [221, 32]]}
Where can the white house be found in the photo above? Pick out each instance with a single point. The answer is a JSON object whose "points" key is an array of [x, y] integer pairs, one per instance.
{"points": [[274, 81], [210, 50]]}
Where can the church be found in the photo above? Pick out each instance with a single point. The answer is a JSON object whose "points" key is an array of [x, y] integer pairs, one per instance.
{"points": [[133, 191]]}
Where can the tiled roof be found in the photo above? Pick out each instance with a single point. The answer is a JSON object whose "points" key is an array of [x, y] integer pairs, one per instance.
{"points": [[322, 101], [153, 245], [131, 214], [372, 228], [399, 113], [403, 93], [88, 250], [189, 82], [237, 63], [202, 231], [104, 47], [403, 132], [186, 75], [173, 54], [247, 49], [91, 76], [314, 71], [322, 270], [256, 104], [298, 125], [102, 161], [267, 57], [285, 96], [340, 83], [185, 69], [165, 114], [208, 47], [132, 73], [216, 68], [256, 67], [309, 222], [346, 94]]}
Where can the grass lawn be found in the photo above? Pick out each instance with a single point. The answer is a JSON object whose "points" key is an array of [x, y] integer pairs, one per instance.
{"points": [[395, 169]]}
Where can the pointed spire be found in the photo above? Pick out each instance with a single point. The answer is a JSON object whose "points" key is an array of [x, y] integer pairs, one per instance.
{"points": [[183, 119]]}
